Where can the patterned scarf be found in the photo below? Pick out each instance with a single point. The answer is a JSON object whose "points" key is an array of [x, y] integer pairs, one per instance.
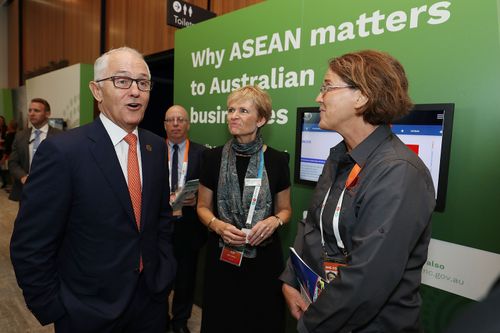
{"points": [[232, 207]]}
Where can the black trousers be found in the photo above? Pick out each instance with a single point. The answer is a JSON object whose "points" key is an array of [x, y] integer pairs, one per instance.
{"points": [[184, 285]]}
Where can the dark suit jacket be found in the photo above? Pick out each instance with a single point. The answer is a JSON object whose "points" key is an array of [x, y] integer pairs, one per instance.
{"points": [[19, 159], [75, 246], [481, 317], [189, 231]]}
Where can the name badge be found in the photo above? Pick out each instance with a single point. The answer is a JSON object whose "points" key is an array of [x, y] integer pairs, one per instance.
{"points": [[331, 267], [253, 181], [231, 256]]}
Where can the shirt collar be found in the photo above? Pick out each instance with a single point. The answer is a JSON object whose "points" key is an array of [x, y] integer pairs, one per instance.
{"points": [[362, 152], [43, 129], [115, 132], [181, 145]]}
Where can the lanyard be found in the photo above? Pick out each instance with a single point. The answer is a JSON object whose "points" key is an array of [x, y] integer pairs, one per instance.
{"points": [[257, 182], [336, 215], [182, 178]]}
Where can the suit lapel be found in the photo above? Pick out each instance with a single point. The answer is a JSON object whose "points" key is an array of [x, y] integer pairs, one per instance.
{"points": [[25, 148], [147, 155], [105, 157]]}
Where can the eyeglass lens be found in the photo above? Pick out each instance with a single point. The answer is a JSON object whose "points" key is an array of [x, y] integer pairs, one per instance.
{"points": [[124, 82]]}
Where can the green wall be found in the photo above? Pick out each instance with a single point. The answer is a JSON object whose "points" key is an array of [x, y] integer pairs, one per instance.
{"points": [[86, 98], [6, 108], [450, 50]]}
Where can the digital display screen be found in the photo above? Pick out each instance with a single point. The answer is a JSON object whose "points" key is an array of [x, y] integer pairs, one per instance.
{"points": [[426, 130]]}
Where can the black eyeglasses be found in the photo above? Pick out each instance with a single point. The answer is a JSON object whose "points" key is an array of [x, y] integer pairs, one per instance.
{"points": [[125, 82]]}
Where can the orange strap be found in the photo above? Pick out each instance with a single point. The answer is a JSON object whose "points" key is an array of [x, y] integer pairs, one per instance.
{"points": [[353, 175]]}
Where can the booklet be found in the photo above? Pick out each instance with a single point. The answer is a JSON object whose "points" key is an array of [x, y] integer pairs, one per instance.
{"points": [[189, 188], [311, 284]]}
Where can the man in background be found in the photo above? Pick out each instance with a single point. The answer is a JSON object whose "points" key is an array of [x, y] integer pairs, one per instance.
{"points": [[91, 246], [189, 232], [26, 143]]}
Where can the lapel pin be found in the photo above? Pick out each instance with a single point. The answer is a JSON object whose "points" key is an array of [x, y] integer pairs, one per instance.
{"points": [[149, 148]]}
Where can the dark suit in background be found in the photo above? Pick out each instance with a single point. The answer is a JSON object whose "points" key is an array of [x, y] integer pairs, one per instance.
{"points": [[19, 159], [189, 236]]}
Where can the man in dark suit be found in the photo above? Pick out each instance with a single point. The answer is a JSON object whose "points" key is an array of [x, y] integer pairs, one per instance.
{"points": [[26, 142], [91, 246], [189, 232]]}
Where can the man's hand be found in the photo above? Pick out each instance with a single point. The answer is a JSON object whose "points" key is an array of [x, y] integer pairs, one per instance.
{"points": [[190, 200]]}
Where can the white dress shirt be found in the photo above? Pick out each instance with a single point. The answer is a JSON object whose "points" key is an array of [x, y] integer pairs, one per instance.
{"points": [[117, 134]]}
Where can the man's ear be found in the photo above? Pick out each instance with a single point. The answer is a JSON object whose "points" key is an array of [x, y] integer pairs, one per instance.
{"points": [[96, 91]]}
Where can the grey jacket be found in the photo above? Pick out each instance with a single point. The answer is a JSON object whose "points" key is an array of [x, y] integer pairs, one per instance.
{"points": [[19, 159]]}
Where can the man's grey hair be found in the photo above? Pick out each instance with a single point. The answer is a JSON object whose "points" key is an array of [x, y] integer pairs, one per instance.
{"points": [[101, 63]]}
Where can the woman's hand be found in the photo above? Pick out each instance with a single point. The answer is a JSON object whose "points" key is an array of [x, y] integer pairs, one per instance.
{"points": [[294, 300], [262, 230], [229, 233]]}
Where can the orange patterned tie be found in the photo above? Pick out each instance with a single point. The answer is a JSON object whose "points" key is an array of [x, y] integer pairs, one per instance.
{"points": [[134, 180]]}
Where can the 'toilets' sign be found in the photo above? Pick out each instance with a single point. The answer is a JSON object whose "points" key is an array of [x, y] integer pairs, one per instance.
{"points": [[181, 14]]}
